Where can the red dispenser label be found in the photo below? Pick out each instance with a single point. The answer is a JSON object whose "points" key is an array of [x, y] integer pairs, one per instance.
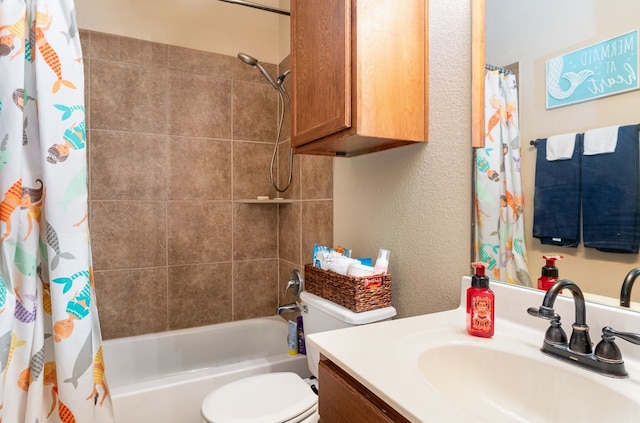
{"points": [[481, 313]]}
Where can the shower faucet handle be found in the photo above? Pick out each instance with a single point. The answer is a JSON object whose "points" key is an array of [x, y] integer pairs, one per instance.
{"points": [[295, 283]]}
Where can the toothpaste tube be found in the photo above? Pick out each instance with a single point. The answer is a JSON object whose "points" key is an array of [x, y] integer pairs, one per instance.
{"points": [[292, 339]]}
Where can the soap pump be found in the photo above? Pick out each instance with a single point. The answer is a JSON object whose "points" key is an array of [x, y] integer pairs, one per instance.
{"points": [[549, 272], [480, 304]]}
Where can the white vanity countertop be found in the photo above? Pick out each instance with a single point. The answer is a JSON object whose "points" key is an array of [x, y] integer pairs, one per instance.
{"points": [[383, 356]]}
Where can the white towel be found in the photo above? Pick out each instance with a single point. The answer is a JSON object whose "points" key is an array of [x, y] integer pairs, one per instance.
{"points": [[560, 147], [601, 140]]}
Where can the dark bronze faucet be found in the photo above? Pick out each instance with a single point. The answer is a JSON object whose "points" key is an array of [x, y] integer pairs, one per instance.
{"points": [[607, 358], [625, 292]]}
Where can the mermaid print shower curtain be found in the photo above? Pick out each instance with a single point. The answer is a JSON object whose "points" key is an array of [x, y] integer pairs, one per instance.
{"points": [[51, 362], [498, 196]]}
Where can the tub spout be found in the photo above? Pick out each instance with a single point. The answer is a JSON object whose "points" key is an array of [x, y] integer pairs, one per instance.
{"points": [[625, 292], [288, 308]]}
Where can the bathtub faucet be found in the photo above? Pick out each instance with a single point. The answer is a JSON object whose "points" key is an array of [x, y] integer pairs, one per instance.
{"points": [[288, 308]]}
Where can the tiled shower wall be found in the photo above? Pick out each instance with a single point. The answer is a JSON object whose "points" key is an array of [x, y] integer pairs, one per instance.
{"points": [[177, 138]]}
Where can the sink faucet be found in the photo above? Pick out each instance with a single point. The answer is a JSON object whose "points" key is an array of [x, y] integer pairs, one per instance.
{"points": [[580, 341], [606, 359], [625, 292]]}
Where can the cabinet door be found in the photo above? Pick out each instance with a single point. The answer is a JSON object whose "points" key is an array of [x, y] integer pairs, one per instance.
{"points": [[321, 63], [344, 399]]}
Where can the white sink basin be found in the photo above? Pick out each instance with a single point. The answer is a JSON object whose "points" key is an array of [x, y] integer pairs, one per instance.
{"points": [[498, 382], [430, 370]]}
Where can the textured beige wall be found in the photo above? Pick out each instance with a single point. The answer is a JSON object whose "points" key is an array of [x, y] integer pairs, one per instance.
{"points": [[573, 24], [415, 200]]}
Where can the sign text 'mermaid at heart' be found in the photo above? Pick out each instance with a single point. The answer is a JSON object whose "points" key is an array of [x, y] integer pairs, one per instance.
{"points": [[602, 69]]}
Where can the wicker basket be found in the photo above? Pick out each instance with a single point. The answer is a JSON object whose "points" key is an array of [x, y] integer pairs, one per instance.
{"points": [[355, 293]]}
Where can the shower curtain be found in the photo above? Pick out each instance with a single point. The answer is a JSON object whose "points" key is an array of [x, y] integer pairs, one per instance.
{"points": [[498, 197], [52, 367]]}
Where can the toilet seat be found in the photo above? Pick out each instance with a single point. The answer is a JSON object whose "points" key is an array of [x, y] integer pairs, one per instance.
{"points": [[264, 398]]}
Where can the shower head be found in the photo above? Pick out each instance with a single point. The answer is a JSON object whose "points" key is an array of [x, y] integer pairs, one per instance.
{"points": [[252, 61]]}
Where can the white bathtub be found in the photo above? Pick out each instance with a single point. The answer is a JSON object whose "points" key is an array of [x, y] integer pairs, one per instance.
{"points": [[163, 377]]}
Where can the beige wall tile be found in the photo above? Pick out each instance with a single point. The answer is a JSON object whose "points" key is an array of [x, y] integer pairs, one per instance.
{"points": [[199, 169], [255, 231], [199, 295], [255, 286], [199, 62], [127, 97], [131, 302], [316, 177], [128, 166], [198, 232], [128, 234], [289, 228], [255, 110], [127, 50], [284, 163], [198, 106], [317, 224], [251, 163]]}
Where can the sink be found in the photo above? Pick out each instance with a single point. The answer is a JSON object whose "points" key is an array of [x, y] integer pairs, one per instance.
{"points": [[430, 370], [498, 382]]}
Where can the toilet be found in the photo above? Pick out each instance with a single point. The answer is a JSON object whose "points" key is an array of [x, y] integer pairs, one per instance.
{"points": [[285, 396]]}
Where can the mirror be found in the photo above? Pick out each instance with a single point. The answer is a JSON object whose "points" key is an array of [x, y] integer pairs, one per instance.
{"points": [[530, 33]]}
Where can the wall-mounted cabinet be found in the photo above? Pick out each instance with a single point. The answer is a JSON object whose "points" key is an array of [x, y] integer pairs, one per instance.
{"points": [[360, 72]]}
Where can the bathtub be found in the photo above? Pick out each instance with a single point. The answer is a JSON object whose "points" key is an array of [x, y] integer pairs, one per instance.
{"points": [[163, 377]]}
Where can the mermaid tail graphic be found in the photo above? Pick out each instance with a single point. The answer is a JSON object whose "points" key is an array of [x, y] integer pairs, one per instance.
{"points": [[554, 74]]}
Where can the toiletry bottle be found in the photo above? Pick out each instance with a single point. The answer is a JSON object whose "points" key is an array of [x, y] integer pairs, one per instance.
{"points": [[382, 262], [292, 339], [480, 304], [302, 348], [549, 273]]}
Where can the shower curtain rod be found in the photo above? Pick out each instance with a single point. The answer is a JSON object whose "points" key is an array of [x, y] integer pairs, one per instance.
{"points": [[257, 6], [498, 68]]}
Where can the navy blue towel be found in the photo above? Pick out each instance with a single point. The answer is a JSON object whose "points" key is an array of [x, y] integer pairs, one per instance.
{"points": [[610, 196], [556, 202]]}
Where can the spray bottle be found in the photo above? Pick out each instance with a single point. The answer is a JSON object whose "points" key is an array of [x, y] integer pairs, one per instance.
{"points": [[480, 304], [549, 272]]}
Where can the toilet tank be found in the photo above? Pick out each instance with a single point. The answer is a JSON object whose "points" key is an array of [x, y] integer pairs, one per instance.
{"points": [[321, 315]]}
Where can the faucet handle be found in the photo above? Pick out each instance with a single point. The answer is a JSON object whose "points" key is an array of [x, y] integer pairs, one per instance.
{"points": [[295, 283], [607, 350], [543, 312], [634, 338]]}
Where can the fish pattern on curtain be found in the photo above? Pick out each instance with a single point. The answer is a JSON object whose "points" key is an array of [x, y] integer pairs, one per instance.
{"points": [[498, 196], [52, 367]]}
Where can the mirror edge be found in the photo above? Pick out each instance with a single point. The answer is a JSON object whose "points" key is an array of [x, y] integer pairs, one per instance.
{"points": [[477, 73]]}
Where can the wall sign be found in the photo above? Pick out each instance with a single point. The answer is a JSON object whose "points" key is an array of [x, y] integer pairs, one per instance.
{"points": [[602, 69]]}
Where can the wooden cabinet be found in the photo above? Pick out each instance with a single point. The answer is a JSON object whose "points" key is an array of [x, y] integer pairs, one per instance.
{"points": [[344, 399], [360, 72]]}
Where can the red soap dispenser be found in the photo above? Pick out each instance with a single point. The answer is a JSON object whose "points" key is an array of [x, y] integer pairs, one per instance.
{"points": [[480, 304], [549, 272]]}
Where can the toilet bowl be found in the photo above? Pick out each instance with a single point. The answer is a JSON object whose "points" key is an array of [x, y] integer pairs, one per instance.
{"points": [[284, 396]]}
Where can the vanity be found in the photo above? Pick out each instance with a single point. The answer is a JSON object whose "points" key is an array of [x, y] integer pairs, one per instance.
{"points": [[426, 368]]}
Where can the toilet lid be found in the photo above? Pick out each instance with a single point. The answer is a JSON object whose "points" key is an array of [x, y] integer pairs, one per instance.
{"points": [[268, 398]]}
